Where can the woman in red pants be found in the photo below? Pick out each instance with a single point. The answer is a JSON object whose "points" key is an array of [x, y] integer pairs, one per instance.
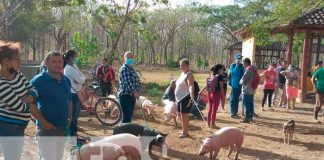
{"points": [[214, 86]]}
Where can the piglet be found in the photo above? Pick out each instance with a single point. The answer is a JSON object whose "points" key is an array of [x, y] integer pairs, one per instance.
{"points": [[170, 111], [129, 143], [227, 136], [100, 150]]}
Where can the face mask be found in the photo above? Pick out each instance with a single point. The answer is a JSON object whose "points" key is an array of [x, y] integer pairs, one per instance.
{"points": [[290, 69], [12, 71], [76, 60], [129, 61]]}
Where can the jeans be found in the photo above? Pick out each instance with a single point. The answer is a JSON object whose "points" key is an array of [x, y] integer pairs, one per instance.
{"points": [[267, 94], [75, 114], [248, 106], [105, 88], [127, 103], [12, 140], [51, 143], [234, 101]]}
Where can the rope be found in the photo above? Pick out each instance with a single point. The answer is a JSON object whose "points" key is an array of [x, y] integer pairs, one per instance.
{"points": [[196, 105], [142, 112]]}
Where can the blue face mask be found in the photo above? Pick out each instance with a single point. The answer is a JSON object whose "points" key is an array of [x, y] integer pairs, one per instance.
{"points": [[76, 60], [129, 61]]}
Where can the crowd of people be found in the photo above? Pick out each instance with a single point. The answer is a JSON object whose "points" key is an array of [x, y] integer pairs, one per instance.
{"points": [[53, 98]]}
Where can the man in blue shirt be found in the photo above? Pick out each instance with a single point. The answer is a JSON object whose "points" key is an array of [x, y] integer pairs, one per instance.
{"points": [[129, 87], [54, 103], [235, 74]]}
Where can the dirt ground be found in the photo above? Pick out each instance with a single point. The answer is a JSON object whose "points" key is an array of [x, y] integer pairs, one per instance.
{"points": [[263, 139]]}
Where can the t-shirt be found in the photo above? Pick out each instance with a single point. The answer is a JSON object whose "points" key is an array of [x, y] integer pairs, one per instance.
{"points": [[219, 79], [319, 75], [270, 79], [225, 79], [282, 79], [53, 98]]}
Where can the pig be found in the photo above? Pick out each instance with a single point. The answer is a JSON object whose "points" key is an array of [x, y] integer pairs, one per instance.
{"points": [[139, 130], [105, 150], [289, 129], [170, 111], [227, 136], [129, 143], [114, 108], [147, 106]]}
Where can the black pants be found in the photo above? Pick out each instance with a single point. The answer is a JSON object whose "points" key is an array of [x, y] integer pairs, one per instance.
{"points": [[127, 103], [267, 93], [105, 88]]}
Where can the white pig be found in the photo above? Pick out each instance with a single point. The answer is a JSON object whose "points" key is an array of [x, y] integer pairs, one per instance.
{"points": [[147, 105], [170, 111], [231, 137], [129, 143], [100, 150]]}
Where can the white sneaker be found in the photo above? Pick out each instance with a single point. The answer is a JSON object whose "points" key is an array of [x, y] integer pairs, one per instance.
{"points": [[317, 121], [270, 109], [284, 106]]}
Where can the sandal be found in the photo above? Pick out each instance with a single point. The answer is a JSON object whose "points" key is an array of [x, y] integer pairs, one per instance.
{"points": [[183, 136]]}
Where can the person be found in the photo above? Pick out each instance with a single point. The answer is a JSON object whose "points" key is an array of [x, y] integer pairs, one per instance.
{"points": [[291, 85], [225, 79], [215, 88], [129, 87], [282, 85], [169, 93], [247, 90], [235, 74], [106, 76], [55, 104], [318, 83], [76, 77], [17, 101], [184, 94], [269, 84], [318, 66], [276, 90]]}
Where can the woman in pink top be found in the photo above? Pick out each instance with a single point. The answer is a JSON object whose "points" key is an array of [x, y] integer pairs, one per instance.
{"points": [[269, 85]]}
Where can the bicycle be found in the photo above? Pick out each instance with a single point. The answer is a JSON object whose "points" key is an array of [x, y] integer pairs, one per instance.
{"points": [[106, 109]]}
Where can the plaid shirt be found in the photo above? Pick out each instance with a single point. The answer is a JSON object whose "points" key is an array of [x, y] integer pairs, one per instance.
{"points": [[128, 80]]}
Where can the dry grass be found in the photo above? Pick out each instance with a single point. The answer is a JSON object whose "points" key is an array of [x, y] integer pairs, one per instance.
{"points": [[263, 138]]}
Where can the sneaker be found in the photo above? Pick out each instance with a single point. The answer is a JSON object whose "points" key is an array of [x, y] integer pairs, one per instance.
{"points": [[284, 106], [262, 109], [270, 109], [245, 120], [316, 120], [235, 117]]}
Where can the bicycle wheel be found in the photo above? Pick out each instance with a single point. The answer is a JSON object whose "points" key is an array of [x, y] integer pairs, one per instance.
{"points": [[108, 111]]}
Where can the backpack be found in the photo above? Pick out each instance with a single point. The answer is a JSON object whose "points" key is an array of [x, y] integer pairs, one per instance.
{"points": [[256, 78], [211, 84]]}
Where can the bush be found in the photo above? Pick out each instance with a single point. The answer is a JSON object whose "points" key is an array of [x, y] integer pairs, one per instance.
{"points": [[154, 92], [153, 85], [172, 63]]}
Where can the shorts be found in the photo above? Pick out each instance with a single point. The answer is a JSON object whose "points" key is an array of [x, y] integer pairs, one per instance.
{"points": [[291, 92], [182, 106]]}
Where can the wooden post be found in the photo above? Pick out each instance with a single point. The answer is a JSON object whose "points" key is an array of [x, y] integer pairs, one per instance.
{"points": [[304, 66], [289, 47], [231, 58], [319, 40]]}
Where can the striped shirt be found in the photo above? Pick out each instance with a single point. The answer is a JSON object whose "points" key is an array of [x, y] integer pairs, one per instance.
{"points": [[128, 80], [12, 107]]}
